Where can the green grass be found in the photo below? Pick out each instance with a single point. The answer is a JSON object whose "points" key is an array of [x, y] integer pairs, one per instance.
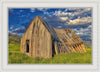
{"points": [[69, 58], [14, 47]]}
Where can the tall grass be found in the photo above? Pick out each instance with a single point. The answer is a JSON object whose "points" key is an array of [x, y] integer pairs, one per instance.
{"points": [[15, 57]]}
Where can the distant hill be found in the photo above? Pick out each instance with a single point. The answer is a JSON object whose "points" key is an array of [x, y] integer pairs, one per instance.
{"points": [[14, 39]]}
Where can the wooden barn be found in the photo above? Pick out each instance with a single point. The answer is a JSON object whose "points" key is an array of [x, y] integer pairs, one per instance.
{"points": [[41, 40]]}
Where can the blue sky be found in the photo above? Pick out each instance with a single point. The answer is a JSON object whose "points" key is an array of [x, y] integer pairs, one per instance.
{"points": [[78, 19]]}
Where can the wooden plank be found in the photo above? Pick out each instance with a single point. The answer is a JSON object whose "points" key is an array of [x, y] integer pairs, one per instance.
{"points": [[56, 48], [70, 42], [60, 37]]}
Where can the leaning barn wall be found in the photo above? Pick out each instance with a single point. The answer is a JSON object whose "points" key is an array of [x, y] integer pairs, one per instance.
{"points": [[70, 42]]}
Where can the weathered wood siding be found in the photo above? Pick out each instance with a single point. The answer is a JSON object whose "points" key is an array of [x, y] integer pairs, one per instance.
{"points": [[27, 36], [40, 42]]}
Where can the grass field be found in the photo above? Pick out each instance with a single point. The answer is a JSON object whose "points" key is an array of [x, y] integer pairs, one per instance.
{"points": [[15, 57]]}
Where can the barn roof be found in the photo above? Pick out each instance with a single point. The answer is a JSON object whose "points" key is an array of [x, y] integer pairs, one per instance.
{"points": [[49, 28]]}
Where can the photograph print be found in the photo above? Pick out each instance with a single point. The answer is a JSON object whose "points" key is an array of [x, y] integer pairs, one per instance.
{"points": [[50, 35]]}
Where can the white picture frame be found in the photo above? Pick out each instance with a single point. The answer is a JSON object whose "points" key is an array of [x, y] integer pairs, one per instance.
{"points": [[4, 66]]}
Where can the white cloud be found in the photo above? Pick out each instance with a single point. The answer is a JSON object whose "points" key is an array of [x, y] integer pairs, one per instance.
{"points": [[61, 13], [23, 16], [10, 32], [81, 11], [75, 9], [64, 18], [21, 11], [80, 21], [48, 13], [32, 9], [84, 31], [78, 11], [76, 17], [17, 30], [42, 9], [12, 27], [66, 9]]}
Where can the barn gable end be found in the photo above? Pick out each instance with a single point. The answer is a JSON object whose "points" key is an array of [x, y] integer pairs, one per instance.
{"points": [[40, 39]]}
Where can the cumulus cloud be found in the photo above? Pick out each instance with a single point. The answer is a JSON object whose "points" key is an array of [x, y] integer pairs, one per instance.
{"points": [[48, 13], [67, 23], [22, 16], [73, 13], [84, 33], [80, 21], [10, 32], [42, 9], [20, 10], [12, 27], [64, 18], [74, 9], [17, 31], [81, 11], [71, 16], [61, 13], [32, 9]]}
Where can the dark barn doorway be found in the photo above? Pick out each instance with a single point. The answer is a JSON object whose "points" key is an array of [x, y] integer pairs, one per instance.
{"points": [[53, 48], [27, 46]]}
